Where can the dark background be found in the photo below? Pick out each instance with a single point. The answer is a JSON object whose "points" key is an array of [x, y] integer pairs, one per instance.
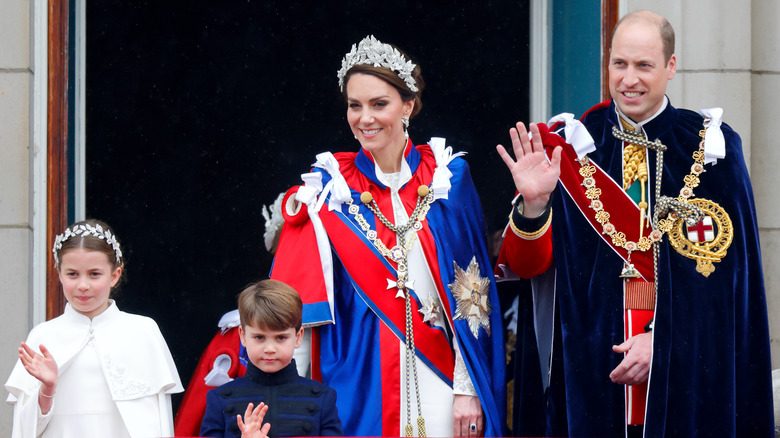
{"points": [[198, 113]]}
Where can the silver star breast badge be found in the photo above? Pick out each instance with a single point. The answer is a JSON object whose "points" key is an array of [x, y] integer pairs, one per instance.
{"points": [[471, 292]]}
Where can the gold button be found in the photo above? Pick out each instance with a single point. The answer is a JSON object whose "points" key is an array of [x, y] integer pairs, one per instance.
{"points": [[366, 198]]}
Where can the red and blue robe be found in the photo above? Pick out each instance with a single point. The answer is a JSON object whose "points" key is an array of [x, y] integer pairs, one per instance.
{"points": [[360, 322]]}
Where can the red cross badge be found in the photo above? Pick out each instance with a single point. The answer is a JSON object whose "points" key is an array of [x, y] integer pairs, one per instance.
{"points": [[707, 241], [702, 231]]}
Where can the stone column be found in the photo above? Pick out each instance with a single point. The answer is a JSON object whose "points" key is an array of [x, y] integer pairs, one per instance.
{"points": [[16, 78], [764, 96], [728, 56]]}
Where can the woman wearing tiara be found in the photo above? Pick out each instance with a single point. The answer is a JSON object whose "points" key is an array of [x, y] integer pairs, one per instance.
{"points": [[387, 248]]}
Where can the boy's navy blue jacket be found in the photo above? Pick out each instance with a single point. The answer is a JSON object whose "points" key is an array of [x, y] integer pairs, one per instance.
{"points": [[297, 406]]}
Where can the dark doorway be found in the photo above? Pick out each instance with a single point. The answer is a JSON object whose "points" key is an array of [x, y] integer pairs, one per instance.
{"points": [[200, 112]]}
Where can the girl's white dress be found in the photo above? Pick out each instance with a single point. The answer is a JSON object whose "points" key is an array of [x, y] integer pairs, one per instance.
{"points": [[116, 375]]}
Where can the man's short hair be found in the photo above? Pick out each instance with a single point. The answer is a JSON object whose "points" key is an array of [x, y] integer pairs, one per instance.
{"points": [[270, 305], [665, 30]]}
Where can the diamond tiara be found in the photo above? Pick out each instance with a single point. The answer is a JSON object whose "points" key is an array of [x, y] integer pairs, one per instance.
{"points": [[84, 230], [371, 51]]}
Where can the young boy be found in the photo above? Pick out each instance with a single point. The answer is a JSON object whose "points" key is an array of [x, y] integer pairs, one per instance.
{"points": [[295, 406]]}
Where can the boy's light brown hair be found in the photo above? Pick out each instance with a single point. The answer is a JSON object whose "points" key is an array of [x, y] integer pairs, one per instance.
{"points": [[270, 305]]}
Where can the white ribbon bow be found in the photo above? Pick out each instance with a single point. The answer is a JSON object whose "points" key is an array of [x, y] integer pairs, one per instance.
{"points": [[307, 194], [312, 186], [441, 176], [576, 134], [337, 186], [229, 320], [218, 375], [274, 220], [714, 143]]}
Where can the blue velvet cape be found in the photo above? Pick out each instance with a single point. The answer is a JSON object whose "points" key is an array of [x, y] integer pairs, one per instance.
{"points": [[710, 373]]}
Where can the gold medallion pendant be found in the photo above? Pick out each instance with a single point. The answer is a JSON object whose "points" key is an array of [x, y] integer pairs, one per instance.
{"points": [[707, 241]]}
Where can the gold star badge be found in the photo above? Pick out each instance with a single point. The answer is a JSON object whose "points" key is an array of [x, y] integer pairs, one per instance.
{"points": [[471, 292]]}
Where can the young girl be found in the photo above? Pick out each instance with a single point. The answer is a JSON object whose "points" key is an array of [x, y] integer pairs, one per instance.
{"points": [[95, 370]]}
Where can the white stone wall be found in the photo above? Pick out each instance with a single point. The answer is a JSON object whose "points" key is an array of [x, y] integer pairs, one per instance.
{"points": [[765, 93], [728, 56], [16, 79]]}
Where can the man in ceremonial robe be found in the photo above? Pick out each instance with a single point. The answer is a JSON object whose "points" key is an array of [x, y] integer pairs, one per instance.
{"points": [[643, 215]]}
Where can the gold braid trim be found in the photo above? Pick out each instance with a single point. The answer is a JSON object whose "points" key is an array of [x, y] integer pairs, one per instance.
{"points": [[634, 164], [633, 159], [533, 235], [640, 295]]}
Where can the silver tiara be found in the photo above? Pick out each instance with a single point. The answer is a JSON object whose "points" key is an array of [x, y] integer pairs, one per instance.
{"points": [[371, 51], [84, 230]]}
